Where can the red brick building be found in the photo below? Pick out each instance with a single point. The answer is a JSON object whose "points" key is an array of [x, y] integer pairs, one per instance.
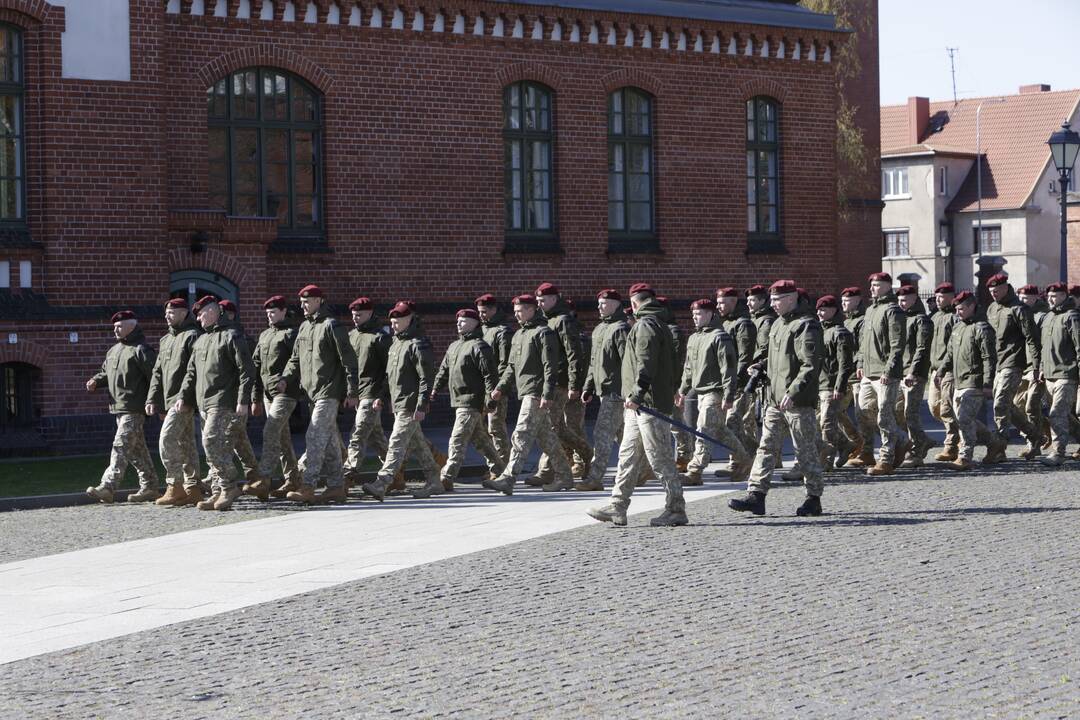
{"points": [[400, 149]]}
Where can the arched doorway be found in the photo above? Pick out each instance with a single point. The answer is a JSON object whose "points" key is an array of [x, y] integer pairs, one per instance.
{"points": [[17, 411], [194, 284]]}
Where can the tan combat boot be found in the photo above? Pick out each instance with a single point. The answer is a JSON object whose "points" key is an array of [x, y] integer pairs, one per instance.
{"points": [[101, 493], [174, 496], [399, 486], [285, 488], [260, 488], [192, 496], [306, 495], [882, 468], [681, 465], [144, 495], [960, 464], [947, 455], [208, 503], [226, 499], [865, 458], [691, 479], [336, 496], [995, 452]]}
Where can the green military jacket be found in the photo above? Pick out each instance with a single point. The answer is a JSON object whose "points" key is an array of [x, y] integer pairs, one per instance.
{"points": [[469, 369], [743, 332], [795, 355], [838, 357], [220, 374], [608, 346], [1061, 342], [533, 367], [648, 365], [972, 356], [126, 372], [174, 351], [943, 321], [712, 362], [884, 331], [497, 334], [323, 359], [272, 352], [372, 348], [568, 333], [410, 369], [1016, 331], [918, 340], [763, 321]]}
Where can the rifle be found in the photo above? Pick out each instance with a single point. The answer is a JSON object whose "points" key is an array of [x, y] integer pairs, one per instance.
{"points": [[681, 426]]}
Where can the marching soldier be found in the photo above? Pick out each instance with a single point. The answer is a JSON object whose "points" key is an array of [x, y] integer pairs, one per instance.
{"points": [[1031, 394], [324, 363], [1017, 340], [605, 382], [219, 381], [372, 348], [941, 389], [410, 370], [468, 368], [176, 441], [498, 335], [126, 374], [241, 442], [972, 359], [743, 332], [272, 354], [919, 337], [881, 368], [648, 375], [570, 380], [834, 380], [711, 371], [793, 366], [862, 431], [1060, 352], [533, 370], [763, 316], [684, 442]]}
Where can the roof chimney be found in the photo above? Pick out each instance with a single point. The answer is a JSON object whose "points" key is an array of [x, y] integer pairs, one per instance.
{"points": [[918, 111], [1031, 89]]}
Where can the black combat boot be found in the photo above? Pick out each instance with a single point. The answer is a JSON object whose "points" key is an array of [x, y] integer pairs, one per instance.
{"points": [[811, 506], [753, 501]]}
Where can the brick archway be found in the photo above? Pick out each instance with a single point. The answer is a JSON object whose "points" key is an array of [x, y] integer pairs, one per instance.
{"points": [[761, 86], [24, 351], [267, 55], [36, 9], [624, 77], [213, 261], [529, 71]]}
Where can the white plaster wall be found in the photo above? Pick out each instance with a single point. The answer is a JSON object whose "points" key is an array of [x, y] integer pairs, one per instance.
{"points": [[97, 42]]}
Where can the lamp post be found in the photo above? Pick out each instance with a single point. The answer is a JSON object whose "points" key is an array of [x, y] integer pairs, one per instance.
{"points": [[944, 248], [1064, 146]]}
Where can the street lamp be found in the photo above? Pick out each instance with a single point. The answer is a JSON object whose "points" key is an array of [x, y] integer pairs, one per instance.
{"points": [[1064, 146], [944, 248]]}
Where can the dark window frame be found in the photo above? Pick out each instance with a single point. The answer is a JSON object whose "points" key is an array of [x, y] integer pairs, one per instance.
{"points": [[264, 127], [977, 240], [627, 240], [17, 388], [15, 86], [526, 239], [906, 233], [759, 241]]}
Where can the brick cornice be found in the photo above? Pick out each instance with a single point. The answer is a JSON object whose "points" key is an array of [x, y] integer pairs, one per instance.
{"points": [[266, 55]]}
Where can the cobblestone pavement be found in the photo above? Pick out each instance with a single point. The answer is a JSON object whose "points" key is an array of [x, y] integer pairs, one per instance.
{"points": [[926, 595]]}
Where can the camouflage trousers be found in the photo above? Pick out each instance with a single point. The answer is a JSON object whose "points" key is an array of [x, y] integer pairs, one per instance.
{"points": [[129, 448], [1030, 396], [940, 400], [534, 425], [746, 407], [1006, 411], [878, 399], [242, 447], [1062, 401], [714, 420], [217, 440], [646, 439], [407, 438], [848, 428], [969, 403], [322, 454], [367, 431], [176, 446], [278, 459], [866, 420], [496, 423], [470, 428], [828, 418], [909, 413], [684, 441], [574, 415], [607, 429], [570, 437], [801, 422]]}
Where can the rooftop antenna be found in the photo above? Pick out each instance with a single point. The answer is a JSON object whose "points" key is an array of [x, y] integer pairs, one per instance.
{"points": [[952, 63]]}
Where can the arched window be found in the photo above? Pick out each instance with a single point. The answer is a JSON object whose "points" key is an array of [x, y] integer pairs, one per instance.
{"points": [[16, 396], [265, 151], [194, 284], [12, 189], [763, 173], [528, 139], [630, 171]]}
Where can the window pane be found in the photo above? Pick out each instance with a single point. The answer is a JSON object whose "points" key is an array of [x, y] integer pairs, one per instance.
{"points": [[639, 188], [751, 135], [304, 179], [9, 114], [219, 185], [513, 107], [216, 97], [9, 158], [751, 218], [641, 216], [616, 216], [217, 145], [246, 145], [246, 206], [304, 147], [639, 158], [751, 191], [615, 186], [751, 166], [245, 95], [275, 97], [303, 104], [540, 215], [9, 199], [305, 213], [540, 155]]}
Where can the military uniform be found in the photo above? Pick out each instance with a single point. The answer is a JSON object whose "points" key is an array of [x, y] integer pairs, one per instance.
{"points": [[863, 430], [684, 441], [1032, 393], [919, 337], [498, 335], [568, 344], [881, 359], [605, 382], [837, 367], [176, 441], [763, 320], [741, 419], [372, 348], [972, 359], [1017, 339], [272, 354], [1060, 352], [941, 389], [241, 442]]}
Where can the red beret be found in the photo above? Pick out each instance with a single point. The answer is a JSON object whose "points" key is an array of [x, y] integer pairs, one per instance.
{"points": [[1074, 290], [783, 287], [1028, 290], [403, 308], [608, 294], [880, 277], [228, 305], [203, 302], [486, 299], [757, 290], [907, 290], [525, 299], [851, 292], [311, 291], [361, 303], [727, 292], [468, 313], [547, 289], [947, 288], [176, 303], [827, 301], [642, 288], [122, 315], [998, 279], [1057, 287], [277, 302], [702, 304], [963, 296]]}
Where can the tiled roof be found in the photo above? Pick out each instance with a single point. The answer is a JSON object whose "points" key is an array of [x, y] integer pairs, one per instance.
{"points": [[781, 13], [1014, 135], [924, 149]]}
